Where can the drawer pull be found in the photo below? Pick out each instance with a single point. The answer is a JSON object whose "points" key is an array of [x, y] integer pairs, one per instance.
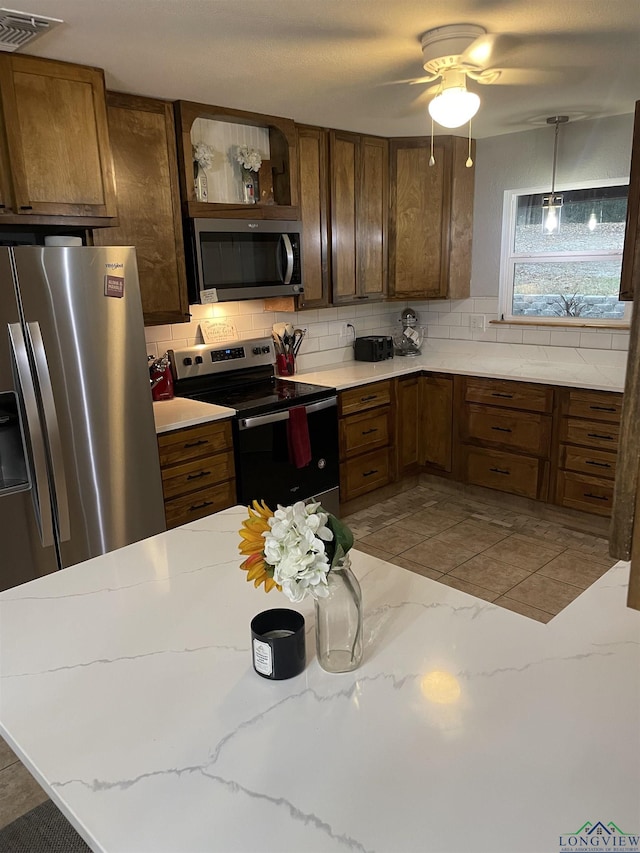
{"points": [[26, 207], [603, 408], [369, 431], [499, 470], [369, 473], [502, 429], [601, 437], [597, 464], [194, 507], [596, 497], [367, 399], [199, 475], [196, 443], [501, 394]]}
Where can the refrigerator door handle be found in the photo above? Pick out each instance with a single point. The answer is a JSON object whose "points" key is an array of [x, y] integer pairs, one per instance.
{"points": [[53, 430], [27, 393]]}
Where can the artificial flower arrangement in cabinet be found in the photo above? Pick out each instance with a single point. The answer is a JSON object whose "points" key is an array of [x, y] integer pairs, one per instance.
{"points": [[250, 161], [302, 550]]}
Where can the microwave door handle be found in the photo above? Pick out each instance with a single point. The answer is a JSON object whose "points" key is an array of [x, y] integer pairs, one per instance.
{"points": [[27, 393], [288, 248], [52, 428]]}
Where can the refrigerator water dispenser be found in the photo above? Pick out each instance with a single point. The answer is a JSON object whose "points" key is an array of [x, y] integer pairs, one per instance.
{"points": [[13, 467]]}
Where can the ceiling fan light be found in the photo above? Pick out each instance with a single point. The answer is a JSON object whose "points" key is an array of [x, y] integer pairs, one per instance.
{"points": [[454, 106]]}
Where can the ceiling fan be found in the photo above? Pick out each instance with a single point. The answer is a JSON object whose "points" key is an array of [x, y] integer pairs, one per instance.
{"points": [[450, 55]]}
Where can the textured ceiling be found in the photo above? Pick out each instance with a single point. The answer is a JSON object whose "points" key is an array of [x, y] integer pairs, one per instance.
{"points": [[334, 62]]}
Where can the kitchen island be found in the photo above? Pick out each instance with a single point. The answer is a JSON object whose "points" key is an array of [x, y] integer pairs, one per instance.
{"points": [[126, 688]]}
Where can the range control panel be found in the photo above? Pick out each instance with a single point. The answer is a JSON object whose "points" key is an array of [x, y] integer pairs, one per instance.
{"points": [[204, 359]]}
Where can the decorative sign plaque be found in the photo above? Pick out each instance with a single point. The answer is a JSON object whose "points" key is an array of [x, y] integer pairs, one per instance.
{"points": [[218, 331]]}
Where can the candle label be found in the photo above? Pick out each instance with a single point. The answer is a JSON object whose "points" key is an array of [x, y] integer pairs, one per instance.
{"points": [[262, 657]]}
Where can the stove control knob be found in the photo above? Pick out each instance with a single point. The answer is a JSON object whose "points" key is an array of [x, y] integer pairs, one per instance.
{"points": [[198, 359], [187, 361], [256, 350], [265, 350]]}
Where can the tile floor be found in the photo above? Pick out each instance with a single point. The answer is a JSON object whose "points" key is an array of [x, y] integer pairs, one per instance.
{"points": [[525, 563]]}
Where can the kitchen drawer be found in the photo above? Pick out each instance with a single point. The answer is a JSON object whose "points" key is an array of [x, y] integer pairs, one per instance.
{"points": [[590, 433], [588, 494], [506, 472], [594, 405], [596, 463], [366, 431], [364, 474], [199, 504], [526, 431], [510, 395], [198, 474], [194, 442], [365, 397]]}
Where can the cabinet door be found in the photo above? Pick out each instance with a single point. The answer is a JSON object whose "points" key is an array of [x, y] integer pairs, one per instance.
{"points": [[313, 167], [57, 139], [631, 254], [407, 425], [371, 209], [144, 151], [344, 151], [436, 422], [431, 213]]}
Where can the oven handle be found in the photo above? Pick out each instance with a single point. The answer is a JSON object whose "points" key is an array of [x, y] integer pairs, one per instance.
{"points": [[262, 420]]}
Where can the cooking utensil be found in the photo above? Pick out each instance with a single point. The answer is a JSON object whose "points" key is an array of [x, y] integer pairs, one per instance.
{"points": [[298, 337]]}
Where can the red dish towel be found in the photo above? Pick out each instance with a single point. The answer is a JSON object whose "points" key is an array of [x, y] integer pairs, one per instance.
{"points": [[298, 437]]}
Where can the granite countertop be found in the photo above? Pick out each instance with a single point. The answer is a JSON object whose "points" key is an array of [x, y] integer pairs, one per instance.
{"points": [[131, 698]]}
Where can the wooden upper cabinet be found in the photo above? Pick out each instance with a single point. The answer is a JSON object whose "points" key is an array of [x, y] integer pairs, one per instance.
{"points": [[56, 154], [630, 275], [359, 202], [144, 151], [279, 171], [430, 219], [313, 161]]}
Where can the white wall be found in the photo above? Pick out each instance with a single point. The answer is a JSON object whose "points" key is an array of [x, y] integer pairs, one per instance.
{"points": [[587, 150]]}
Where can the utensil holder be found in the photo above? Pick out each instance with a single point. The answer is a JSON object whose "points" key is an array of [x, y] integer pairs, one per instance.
{"points": [[285, 364]]}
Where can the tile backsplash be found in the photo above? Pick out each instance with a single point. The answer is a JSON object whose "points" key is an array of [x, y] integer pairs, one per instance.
{"points": [[330, 331]]}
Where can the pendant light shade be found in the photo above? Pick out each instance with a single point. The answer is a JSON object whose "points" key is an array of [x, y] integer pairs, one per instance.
{"points": [[454, 105]]}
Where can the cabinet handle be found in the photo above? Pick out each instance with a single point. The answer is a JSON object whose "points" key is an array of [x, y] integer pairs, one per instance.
{"points": [[597, 464], [602, 437], [367, 399], [500, 394], [602, 408], [26, 207], [369, 431], [502, 429], [369, 473], [200, 506], [196, 443], [499, 471], [197, 476], [596, 497], [362, 297], [3, 206]]}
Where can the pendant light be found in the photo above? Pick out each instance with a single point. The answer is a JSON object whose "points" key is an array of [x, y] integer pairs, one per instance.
{"points": [[552, 203]]}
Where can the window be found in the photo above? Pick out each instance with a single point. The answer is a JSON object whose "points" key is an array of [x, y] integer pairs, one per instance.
{"points": [[562, 255]]}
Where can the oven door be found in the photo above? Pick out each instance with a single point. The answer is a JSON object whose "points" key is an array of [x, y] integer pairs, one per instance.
{"points": [[263, 467]]}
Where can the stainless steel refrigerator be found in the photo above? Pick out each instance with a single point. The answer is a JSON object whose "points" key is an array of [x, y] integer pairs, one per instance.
{"points": [[79, 468]]}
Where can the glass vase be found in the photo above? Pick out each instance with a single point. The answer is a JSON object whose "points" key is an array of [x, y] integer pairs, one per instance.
{"points": [[250, 191], [339, 621], [200, 183]]}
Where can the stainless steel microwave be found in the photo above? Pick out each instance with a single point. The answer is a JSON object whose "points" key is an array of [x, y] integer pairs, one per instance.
{"points": [[233, 259]]}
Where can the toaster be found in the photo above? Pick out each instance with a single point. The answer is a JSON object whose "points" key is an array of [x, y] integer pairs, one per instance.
{"points": [[373, 348]]}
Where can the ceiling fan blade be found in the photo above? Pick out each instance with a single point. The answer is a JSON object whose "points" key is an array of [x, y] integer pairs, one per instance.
{"points": [[488, 50]]}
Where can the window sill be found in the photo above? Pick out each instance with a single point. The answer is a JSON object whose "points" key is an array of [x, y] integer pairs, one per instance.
{"points": [[564, 324]]}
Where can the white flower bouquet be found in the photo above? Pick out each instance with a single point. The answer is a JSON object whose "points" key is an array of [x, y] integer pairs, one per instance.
{"points": [[293, 548], [203, 154], [249, 158]]}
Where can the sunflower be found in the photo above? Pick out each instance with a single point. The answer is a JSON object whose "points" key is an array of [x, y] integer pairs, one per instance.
{"points": [[252, 544]]}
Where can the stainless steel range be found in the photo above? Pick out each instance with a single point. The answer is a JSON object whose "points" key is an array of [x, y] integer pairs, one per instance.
{"points": [[285, 432]]}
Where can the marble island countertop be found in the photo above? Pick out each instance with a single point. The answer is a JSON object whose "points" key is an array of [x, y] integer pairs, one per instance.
{"points": [[126, 688]]}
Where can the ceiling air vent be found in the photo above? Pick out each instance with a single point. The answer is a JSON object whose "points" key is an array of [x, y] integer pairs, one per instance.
{"points": [[20, 28]]}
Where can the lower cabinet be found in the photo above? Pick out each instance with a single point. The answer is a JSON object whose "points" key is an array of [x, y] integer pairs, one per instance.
{"points": [[198, 473], [365, 429], [407, 425], [436, 423], [588, 433]]}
